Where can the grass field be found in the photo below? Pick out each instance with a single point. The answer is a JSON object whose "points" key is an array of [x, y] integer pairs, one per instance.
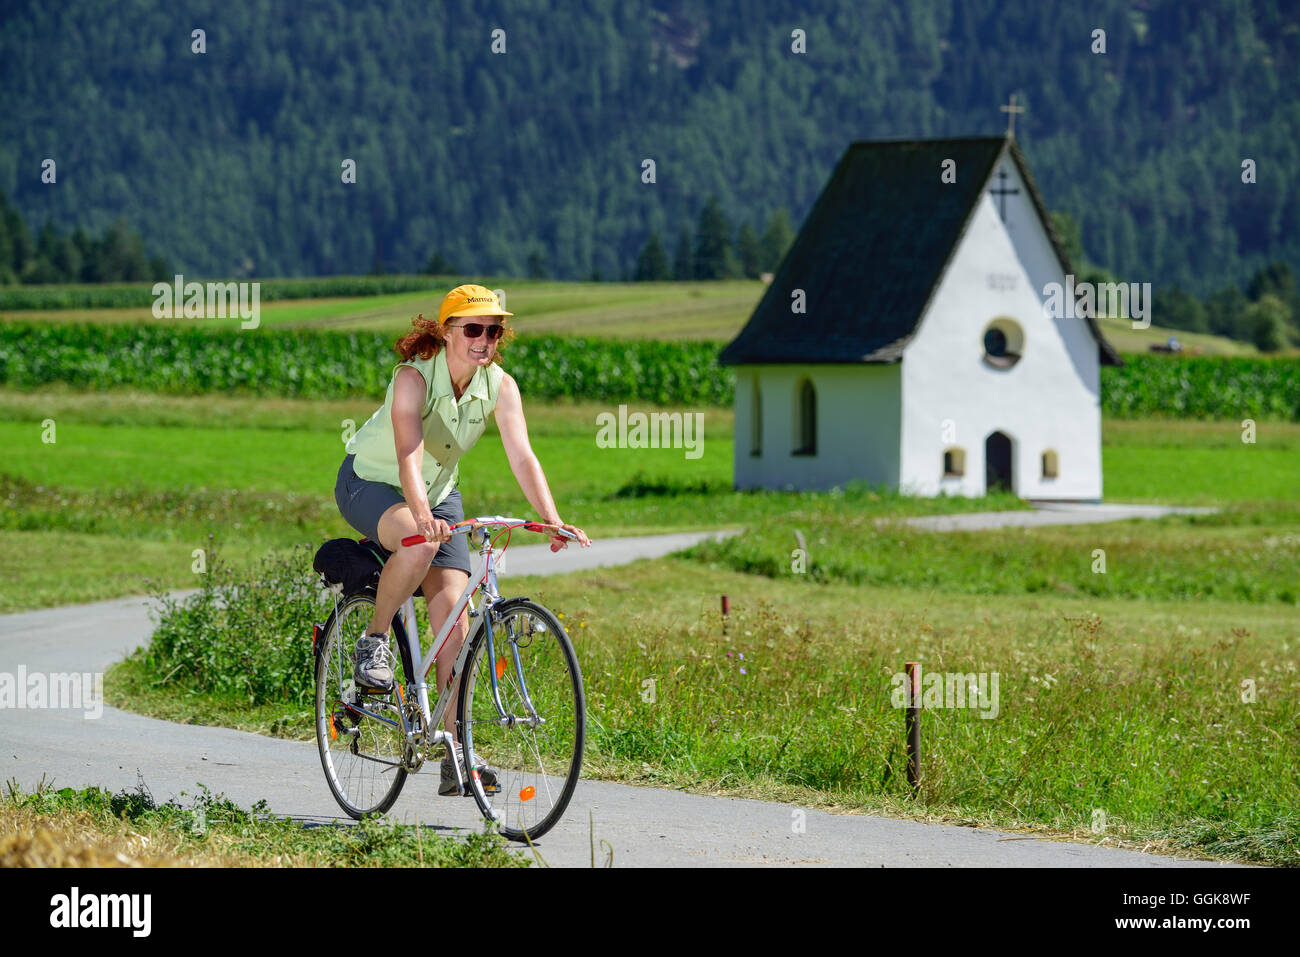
{"points": [[1120, 691], [1121, 334], [1131, 707], [656, 310], [141, 476], [670, 310]]}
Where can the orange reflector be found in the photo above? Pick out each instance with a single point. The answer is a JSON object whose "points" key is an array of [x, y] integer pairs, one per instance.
{"points": [[334, 735], [527, 793], [501, 667]]}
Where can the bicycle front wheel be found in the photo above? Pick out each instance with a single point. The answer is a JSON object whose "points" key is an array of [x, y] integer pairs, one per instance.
{"points": [[359, 736], [522, 711]]}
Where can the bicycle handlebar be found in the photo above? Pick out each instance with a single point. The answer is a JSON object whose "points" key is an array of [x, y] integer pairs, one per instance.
{"points": [[470, 524]]}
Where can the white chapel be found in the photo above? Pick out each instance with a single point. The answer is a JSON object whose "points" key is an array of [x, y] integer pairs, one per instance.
{"points": [[904, 338]]}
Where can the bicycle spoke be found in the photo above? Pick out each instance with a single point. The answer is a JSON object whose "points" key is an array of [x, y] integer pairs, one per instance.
{"points": [[537, 766], [361, 755]]}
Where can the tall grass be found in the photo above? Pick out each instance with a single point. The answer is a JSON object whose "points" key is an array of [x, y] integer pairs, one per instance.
{"points": [[247, 638], [1152, 730], [93, 827], [1248, 554], [793, 696]]}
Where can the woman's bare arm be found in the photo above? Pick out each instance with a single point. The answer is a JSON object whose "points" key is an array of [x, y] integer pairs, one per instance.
{"points": [[523, 461], [408, 435]]}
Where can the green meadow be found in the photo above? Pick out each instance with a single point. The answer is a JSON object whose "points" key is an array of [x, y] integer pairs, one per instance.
{"points": [[1157, 690], [673, 310]]}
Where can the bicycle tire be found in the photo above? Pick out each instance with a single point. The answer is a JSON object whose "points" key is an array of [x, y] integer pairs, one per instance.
{"points": [[368, 784], [537, 772]]}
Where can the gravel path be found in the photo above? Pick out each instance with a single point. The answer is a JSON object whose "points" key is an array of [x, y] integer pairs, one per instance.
{"points": [[1050, 513]]}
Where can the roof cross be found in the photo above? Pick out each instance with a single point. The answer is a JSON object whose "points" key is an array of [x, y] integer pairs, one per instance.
{"points": [[1003, 193], [1011, 110]]}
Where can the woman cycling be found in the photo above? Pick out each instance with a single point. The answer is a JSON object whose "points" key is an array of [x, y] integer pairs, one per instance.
{"points": [[399, 477]]}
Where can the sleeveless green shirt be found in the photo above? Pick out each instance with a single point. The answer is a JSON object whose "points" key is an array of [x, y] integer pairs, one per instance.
{"points": [[451, 427]]}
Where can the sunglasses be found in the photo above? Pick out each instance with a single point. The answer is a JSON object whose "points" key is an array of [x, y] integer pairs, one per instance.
{"points": [[473, 330]]}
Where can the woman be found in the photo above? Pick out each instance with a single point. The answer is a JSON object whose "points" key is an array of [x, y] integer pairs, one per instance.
{"points": [[399, 477]]}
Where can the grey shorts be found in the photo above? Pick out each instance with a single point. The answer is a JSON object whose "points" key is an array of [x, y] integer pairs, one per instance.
{"points": [[362, 503]]}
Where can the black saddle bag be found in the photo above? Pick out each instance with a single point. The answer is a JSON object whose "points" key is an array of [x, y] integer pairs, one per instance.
{"points": [[350, 563], [353, 564]]}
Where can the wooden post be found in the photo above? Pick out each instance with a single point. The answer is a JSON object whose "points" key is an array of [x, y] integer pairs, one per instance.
{"points": [[913, 724]]}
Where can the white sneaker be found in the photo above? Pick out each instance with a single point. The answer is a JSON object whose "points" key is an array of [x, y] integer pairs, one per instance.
{"points": [[373, 663]]}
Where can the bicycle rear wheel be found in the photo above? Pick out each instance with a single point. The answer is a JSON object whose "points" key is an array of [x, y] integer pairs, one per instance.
{"points": [[359, 736], [534, 736]]}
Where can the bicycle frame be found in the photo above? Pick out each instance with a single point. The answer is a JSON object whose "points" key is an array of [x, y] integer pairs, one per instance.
{"points": [[430, 734]]}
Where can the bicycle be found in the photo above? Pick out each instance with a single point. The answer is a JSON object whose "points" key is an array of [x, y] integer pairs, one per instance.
{"points": [[521, 705]]}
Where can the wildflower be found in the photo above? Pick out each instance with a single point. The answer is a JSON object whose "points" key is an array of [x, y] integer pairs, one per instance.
{"points": [[743, 671], [728, 654], [742, 656]]}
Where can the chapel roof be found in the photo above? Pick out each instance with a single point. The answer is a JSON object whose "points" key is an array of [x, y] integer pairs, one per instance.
{"points": [[872, 251]]}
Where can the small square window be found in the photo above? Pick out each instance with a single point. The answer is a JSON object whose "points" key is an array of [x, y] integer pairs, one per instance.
{"points": [[954, 463]]}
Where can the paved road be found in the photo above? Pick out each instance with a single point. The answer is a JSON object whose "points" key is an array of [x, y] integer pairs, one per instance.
{"points": [[1050, 513], [646, 826]]}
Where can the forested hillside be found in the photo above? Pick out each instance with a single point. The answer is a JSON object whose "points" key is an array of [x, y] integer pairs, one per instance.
{"points": [[529, 161]]}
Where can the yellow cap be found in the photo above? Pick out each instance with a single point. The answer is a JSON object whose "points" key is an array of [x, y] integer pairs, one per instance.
{"points": [[470, 300]]}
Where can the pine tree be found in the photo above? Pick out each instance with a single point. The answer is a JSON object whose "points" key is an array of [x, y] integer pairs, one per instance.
{"points": [[1223, 311], [776, 240], [652, 261], [21, 245], [86, 254], [713, 258], [1175, 309], [682, 264], [749, 252], [7, 274], [438, 265], [536, 265]]}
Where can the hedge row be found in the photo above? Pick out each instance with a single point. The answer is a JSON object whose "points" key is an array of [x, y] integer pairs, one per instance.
{"points": [[326, 364], [1203, 387]]}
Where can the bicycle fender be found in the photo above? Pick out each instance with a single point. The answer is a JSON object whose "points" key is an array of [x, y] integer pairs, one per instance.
{"points": [[507, 603]]}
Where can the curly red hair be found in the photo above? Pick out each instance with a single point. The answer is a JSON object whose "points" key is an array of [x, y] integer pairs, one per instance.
{"points": [[428, 337]]}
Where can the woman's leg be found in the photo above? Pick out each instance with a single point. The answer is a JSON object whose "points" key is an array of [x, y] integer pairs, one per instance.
{"points": [[442, 589], [405, 569]]}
